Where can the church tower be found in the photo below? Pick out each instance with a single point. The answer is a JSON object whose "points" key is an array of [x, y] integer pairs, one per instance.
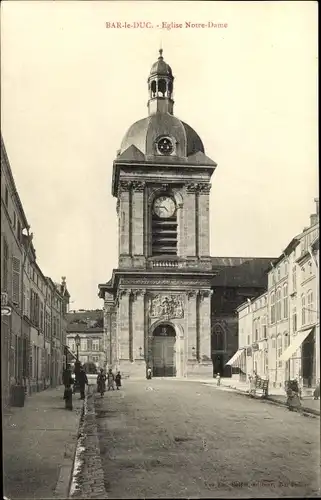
{"points": [[158, 301]]}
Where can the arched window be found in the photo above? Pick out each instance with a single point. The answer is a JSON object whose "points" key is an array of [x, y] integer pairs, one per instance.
{"points": [[218, 338], [285, 301], [303, 318]]}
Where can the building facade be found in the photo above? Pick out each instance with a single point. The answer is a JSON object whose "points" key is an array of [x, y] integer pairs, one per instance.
{"points": [[89, 325], [291, 343], [27, 333], [162, 306]]}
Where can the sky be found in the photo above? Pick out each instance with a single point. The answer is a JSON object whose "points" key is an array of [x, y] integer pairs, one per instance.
{"points": [[70, 89]]}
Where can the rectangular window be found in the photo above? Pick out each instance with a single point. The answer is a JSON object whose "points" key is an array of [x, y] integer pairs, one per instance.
{"points": [[294, 320], [279, 341], [303, 309], [294, 278], [5, 265], [285, 302], [95, 345], [95, 359], [15, 280], [83, 345], [272, 308], [41, 316], [278, 305]]}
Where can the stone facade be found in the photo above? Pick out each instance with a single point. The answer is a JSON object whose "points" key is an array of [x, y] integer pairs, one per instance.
{"points": [[160, 304]]}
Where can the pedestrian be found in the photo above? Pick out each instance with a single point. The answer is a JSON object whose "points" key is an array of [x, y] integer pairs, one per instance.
{"points": [[316, 392], [149, 373], [83, 381], [118, 380], [68, 381], [110, 379], [218, 379], [67, 378], [101, 382]]}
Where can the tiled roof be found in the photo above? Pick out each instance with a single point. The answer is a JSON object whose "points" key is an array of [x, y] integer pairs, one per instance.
{"points": [[250, 273]]}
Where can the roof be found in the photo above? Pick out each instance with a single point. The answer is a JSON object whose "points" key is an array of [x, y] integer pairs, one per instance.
{"points": [[143, 134], [250, 273], [160, 67], [91, 321]]}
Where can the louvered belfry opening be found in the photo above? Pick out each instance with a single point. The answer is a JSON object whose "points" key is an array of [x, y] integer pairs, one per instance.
{"points": [[164, 235]]}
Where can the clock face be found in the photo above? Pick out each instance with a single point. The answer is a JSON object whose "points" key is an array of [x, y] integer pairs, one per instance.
{"points": [[165, 146], [164, 207]]}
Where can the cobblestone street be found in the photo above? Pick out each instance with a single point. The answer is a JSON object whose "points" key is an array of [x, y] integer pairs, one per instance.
{"points": [[165, 438]]}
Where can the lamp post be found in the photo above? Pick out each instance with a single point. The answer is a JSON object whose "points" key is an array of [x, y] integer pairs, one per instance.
{"points": [[77, 342]]}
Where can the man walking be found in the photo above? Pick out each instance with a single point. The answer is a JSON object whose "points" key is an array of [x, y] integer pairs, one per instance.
{"points": [[83, 381], [110, 379]]}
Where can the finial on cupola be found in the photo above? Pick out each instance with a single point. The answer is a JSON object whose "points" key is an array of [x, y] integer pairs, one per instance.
{"points": [[160, 53]]}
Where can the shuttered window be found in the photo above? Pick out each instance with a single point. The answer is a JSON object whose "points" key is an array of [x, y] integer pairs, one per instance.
{"points": [[15, 280]]}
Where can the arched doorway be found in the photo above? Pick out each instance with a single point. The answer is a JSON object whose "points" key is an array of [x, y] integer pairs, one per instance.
{"points": [[164, 338]]}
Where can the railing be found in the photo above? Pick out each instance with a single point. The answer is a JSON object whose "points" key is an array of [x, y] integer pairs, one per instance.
{"points": [[164, 263]]}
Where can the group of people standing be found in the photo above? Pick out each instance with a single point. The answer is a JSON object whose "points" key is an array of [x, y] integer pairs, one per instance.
{"points": [[111, 379]]}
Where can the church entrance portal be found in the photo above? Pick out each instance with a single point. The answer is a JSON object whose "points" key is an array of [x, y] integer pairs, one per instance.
{"points": [[164, 338]]}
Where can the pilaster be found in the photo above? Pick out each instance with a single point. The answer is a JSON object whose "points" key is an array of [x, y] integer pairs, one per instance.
{"points": [[190, 220], [123, 331], [138, 317], [203, 219], [192, 327], [205, 326], [123, 207], [137, 211]]}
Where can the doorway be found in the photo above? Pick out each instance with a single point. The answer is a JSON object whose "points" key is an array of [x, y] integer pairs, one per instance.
{"points": [[164, 338]]}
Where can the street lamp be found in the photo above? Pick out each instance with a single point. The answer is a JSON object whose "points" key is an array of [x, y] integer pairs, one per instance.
{"points": [[77, 342]]}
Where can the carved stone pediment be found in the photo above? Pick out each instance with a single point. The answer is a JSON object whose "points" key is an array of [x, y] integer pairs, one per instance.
{"points": [[168, 306]]}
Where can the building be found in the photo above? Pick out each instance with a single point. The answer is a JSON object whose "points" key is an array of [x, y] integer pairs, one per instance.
{"points": [[89, 325], [169, 303], [290, 344], [27, 334]]}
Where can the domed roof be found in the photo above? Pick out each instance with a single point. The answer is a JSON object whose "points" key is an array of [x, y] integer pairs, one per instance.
{"points": [[160, 67], [144, 133]]}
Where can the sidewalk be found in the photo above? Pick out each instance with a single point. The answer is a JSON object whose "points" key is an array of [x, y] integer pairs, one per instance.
{"points": [[39, 442], [276, 395]]}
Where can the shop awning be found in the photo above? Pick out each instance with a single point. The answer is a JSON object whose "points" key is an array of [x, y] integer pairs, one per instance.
{"points": [[295, 344], [235, 357]]}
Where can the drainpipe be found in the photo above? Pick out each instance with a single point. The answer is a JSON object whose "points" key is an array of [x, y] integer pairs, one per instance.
{"points": [[251, 312]]}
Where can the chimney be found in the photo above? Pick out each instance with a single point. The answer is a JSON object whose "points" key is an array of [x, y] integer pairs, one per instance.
{"points": [[317, 205], [313, 219]]}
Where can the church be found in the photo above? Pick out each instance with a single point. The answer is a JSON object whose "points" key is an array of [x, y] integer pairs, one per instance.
{"points": [[169, 304]]}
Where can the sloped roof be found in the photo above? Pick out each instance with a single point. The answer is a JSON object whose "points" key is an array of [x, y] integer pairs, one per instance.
{"points": [[249, 273]]}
